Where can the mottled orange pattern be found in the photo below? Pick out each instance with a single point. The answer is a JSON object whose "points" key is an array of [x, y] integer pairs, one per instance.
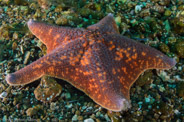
{"points": [[97, 60]]}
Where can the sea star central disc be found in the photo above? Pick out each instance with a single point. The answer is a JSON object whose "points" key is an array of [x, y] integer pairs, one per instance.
{"points": [[97, 60]]}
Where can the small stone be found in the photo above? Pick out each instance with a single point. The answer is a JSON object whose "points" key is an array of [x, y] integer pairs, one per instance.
{"points": [[59, 8], [69, 106], [77, 112], [159, 8], [156, 116], [27, 56], [53, 106], [80, 118], [47, 90], [180, 48], [74, 118], [14, 45], [167, 12], [2, 87], [118, 20], [61, 21], [67, 95], [171, 40], [98, 7], [145, 13], [85, 12], [31, 111], [3, 94], [5, 118], [164, 48], [138, 8], [37, 14], [107, 118], [24, 9], [180, 89], [15, 35], [145, 78], [44, 3], [98, 114], [89, 120], [73, 110], [163, 117]]}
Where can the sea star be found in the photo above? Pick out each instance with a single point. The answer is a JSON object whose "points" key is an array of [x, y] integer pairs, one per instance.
{"points": [[97, 60]]}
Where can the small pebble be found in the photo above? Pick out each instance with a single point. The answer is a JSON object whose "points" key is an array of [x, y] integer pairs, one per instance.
{"points": [[89, 120]]}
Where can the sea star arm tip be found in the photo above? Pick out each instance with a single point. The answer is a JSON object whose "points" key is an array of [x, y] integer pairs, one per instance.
{"points": [[172, 62], [10, 78], [125, 104], [110, 14]]}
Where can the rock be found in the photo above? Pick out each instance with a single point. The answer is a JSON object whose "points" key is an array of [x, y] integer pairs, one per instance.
{"points": [[180, 48], [118, 20], [59, 8], [31, 111], [27, 56], [2, 87], [14, 45], [61, 21], [89, 120], [67, 95], [145, 78], [24, 9], [15, 35], [77, 112], [167, 12], [74, 118], [164, 48], [69, 106], [34, 110], [53, 106], [80, 118], [171, 40], [3, 94], [180, 89], [145, 13], [47, 90], [85, 12]]}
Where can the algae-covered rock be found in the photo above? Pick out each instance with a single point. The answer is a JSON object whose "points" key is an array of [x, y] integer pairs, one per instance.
{"points": [[47, 90], [163, 109], [164, 48], [180, 48], [5, 32], [145, 78], [171, 40], [180, 89], [33, 111], [61, 20], [167, 12], [177, 21]]}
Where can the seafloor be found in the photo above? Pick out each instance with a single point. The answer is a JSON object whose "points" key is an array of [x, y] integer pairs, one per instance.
{"points": [[155, 96]]}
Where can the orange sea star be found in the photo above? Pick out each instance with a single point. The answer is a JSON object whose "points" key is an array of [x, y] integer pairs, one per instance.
{"points": [[97, 60]]}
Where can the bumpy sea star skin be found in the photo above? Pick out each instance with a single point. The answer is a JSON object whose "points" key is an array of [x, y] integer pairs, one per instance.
{"points": [[97, 60]]}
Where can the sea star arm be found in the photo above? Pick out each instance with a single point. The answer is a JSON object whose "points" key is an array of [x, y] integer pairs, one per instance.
{"points": [[107, 25], [98, 61], [93, 77], [109, 69], [130, 59], [59, 63], [53, 36]]}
